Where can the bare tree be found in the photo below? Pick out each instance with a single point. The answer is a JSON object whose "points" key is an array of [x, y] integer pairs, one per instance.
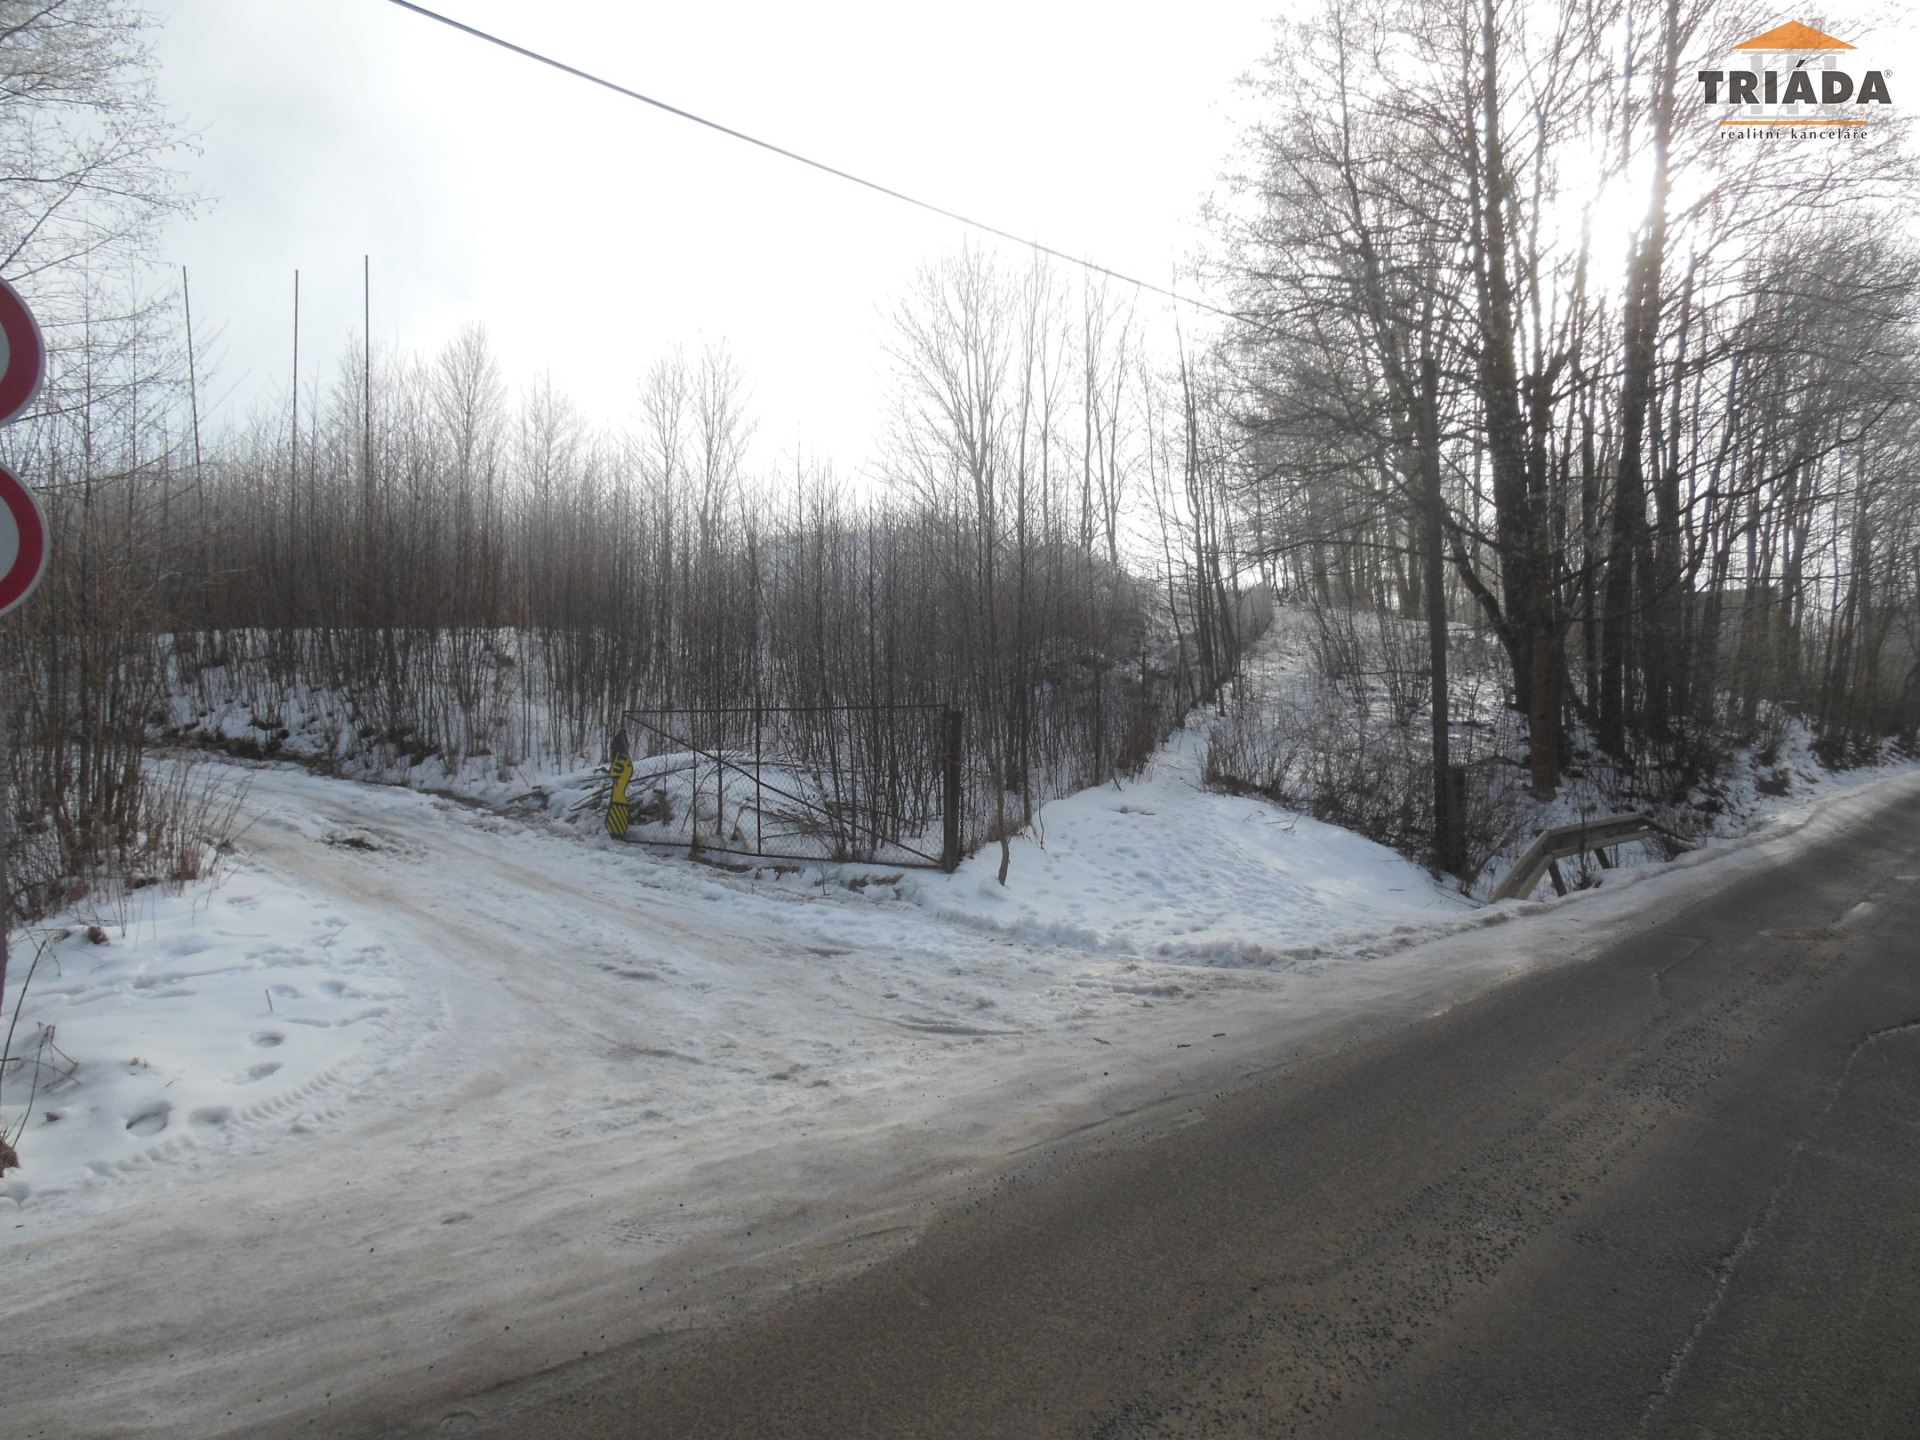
{"points": [[88, 154], [1618, 465]]}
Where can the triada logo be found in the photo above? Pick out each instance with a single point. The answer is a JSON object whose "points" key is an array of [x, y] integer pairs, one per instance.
{"points": [[1794, 76]]}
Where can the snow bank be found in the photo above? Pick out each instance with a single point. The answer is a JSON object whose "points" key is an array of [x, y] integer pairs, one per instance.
{"points": [[1160, 866]]}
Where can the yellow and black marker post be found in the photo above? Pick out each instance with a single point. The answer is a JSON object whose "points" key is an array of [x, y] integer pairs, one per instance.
{"points": [[621, 768]]}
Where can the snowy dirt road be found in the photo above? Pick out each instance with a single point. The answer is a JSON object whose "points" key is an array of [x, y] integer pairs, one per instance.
{"points": [[610, 1095]]}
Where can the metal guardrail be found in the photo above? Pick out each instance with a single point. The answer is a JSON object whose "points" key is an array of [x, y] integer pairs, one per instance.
{"points": [[1564, 841]]}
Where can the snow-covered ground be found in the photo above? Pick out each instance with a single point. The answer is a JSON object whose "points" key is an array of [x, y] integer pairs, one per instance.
{"points": [[1288, 729], [210, 1020], [1161, 868], [420, 1093]]}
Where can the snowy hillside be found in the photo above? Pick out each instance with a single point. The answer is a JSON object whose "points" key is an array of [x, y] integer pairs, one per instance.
{"points": [[1330, 715]]}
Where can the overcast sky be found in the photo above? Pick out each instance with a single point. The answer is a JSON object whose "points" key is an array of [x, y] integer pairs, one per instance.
{"points": [[589, 233]]}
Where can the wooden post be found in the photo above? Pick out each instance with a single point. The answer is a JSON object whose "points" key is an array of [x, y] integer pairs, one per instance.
{"points": [[1448, 816], [950, 809]]}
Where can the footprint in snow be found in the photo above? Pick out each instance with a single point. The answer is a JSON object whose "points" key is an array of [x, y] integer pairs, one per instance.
{"points": [[150, 1121]]}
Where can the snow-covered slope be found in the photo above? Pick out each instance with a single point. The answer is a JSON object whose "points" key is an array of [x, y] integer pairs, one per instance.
{"points": [[1331, 711], [1160, 866]]}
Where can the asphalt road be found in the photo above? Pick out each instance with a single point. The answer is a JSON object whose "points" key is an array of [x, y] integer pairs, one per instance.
{"points": [[1673, 1190]]}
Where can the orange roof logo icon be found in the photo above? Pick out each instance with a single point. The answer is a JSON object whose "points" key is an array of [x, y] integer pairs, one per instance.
{"points": [[1759, 92], [1793, 36]]}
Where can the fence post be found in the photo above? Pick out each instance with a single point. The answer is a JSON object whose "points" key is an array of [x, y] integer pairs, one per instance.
{"points": [[950, 809], [620, 768], [1454, 861]]}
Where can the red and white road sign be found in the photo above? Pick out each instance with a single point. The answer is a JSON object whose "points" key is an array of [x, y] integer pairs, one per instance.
{"points": [[23, 542], [23, 356]]}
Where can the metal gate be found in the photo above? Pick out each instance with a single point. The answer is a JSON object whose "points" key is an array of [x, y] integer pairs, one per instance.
{"points": [[874, 783]]}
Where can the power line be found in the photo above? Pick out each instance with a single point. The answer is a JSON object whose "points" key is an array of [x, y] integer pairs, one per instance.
{"points": [[787, 154]]}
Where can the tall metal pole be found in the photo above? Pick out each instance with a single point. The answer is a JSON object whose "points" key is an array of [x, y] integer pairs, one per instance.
{"points": [[296, 385], [193, 379], [366, 584], [15, 358], [6, 846], [366, 377]]}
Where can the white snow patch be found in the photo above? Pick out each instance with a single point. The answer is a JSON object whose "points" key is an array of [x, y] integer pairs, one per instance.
{"points": [[1160, 866], [191, 1027]]}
